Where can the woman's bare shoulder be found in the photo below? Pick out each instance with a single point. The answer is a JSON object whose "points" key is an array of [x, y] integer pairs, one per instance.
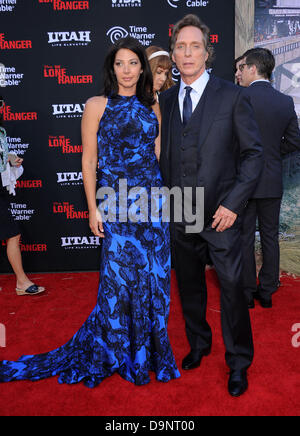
{"points": [[95, 106], [96, 102]]}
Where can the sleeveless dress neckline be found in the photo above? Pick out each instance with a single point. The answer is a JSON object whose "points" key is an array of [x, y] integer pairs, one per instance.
{"points": [[126, 96]]}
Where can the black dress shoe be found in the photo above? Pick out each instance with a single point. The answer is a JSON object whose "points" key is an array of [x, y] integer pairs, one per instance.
{"points": [[238, 383], [194, 359], [266, 303], [251, 303], [256, 295]]}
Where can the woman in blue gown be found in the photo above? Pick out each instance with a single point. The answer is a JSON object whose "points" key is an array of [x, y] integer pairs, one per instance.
{"points": [[127, 331]]}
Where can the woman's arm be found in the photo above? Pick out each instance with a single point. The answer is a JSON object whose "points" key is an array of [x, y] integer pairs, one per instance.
{"points": [[156, 109], [93, 113]]}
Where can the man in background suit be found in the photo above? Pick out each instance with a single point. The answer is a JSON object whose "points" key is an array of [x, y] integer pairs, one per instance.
{"points": [[210, 139], [278, 124]]}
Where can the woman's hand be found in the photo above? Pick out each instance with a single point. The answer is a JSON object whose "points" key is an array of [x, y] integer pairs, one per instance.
{"points": [[157, 112], [96, 224], [15, 161], [18, 162]]}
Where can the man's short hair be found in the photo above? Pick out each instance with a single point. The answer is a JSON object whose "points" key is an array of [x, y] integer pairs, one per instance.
{"points": [[195, 21], [237, 60], [263, 59]]}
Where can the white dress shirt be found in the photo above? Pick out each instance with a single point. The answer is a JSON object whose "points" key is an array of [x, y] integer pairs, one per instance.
{"points": [[196, 94]]}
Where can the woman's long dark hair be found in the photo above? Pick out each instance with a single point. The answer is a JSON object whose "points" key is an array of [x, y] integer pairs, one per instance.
{"points": [[144, 91]]}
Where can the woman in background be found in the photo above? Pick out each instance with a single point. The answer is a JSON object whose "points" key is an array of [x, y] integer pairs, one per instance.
{"points": [[161, 67], [9, 230]]}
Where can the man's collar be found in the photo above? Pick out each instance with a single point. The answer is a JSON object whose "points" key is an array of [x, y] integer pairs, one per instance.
{"points": [[259, 80], [198, 85]]}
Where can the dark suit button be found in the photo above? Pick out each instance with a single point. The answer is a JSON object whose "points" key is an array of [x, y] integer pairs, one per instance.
{"points": [[182, 148]]}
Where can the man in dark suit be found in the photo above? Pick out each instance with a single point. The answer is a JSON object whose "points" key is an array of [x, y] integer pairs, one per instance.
{"points": [[210, 139], [278, 124]]}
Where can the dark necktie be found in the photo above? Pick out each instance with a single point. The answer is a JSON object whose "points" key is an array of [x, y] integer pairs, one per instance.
{"points": [[187, 106]]}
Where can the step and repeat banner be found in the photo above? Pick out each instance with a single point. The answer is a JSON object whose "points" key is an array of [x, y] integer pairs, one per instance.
{"points": [[277, 27], [52, 53]]}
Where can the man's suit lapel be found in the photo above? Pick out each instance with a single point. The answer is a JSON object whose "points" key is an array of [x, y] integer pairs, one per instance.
{"points": [[211, 106], [170, 103]]}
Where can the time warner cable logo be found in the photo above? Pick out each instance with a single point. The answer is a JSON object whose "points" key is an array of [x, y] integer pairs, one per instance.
{"points": [[126, 3], [7, 5], [189, 3], [141, 33], [173, 3]]}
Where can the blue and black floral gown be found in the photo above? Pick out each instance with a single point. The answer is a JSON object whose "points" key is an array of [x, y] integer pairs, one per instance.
{"points": [[127, 331]]}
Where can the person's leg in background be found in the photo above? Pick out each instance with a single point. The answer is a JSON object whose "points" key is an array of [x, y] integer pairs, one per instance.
{"points": [[268, 218], [248, 248], [24, 285]]}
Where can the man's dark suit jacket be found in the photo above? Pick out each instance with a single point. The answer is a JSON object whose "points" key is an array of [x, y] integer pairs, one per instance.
{"points": [[278, 125], [230, 157]]}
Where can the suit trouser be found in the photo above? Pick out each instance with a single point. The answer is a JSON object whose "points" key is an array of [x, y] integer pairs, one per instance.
{"points": [[267, 211], [192, 252]]}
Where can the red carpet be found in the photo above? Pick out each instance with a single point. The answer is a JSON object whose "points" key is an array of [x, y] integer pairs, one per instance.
{"points": [[42, 323]]}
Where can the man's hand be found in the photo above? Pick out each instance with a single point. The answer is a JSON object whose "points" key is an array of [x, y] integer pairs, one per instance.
{"points": [[223, 219]]}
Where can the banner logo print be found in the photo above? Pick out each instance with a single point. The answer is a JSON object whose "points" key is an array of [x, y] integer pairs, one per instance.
{"points": [[173, 3], [141, 33], [73, 5], [126, 3], [2, 76], [175, 74], [116, 33], [7, 5]]}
